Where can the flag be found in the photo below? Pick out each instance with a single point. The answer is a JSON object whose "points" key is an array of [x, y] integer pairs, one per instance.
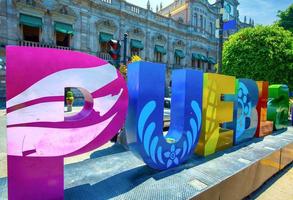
{"points": [[229, 25]]}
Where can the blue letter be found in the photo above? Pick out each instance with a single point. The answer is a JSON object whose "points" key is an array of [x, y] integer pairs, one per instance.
{"points": [[144, 124], [245, 113]]}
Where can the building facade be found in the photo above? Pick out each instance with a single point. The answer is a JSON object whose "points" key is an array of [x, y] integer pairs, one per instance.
{"points": [[181, 35]]}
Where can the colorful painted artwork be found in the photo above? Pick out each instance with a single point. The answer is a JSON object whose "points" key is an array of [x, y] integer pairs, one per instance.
{"points": [[218, 94], [245, 113], [38, 134], [144, 126], [208, 113], [264, 127], [278, 106]]}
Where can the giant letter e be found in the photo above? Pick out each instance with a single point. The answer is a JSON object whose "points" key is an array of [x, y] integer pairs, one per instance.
{"points": [[218, 98]]}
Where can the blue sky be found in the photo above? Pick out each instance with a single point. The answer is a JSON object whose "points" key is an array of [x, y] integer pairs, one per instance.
{"points": [[262, 11]]}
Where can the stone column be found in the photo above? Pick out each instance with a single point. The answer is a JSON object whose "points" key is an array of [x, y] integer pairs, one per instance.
{"points": [[84, 33], [93, 36], [13, 33], [48, 30]]}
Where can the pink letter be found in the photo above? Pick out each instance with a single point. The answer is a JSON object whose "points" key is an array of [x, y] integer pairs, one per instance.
{"points": [[38, 134]]}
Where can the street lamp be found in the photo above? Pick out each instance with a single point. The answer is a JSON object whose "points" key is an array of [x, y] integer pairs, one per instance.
{"points": [[125, 48], [220, 48]]}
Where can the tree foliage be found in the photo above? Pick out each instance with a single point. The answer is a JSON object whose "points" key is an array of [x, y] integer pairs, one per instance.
{"points": [[260, 53], [286, 18]]}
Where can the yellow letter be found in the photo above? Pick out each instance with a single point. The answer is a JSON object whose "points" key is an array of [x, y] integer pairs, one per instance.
{"points": [[215, 112]]}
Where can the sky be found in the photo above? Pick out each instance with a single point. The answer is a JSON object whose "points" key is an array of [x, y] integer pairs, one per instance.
{"points": [[262, 11]]}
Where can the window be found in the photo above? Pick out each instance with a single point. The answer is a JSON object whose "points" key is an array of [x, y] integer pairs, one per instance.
{"points": [[135, 47], [158, 56], [134, 51], [63, 34], [201, 21], [104, 46], [209, 66], [31, 27], [159, 53], [177, 60], [62, 39], [195, 20], [31, 33], [199, 64], [211, 28], [194, 63]]}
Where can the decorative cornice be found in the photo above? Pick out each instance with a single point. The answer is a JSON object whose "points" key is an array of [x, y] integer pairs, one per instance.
{"points": [[179, 43], [136, 32], [62, 12], [159, 38], [28, 5]]}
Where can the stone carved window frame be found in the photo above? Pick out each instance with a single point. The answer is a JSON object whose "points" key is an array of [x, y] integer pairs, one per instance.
{"points": [[136, 33], [159, 39], [179, 44], [36, 9], [33, 4], [107, 26], [62, 13]]}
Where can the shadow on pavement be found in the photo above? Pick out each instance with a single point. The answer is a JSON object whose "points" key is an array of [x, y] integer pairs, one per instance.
{"points": [[116, 148]]}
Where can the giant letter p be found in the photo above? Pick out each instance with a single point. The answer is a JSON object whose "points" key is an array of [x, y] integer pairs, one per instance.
{"points": [[38, 134]]}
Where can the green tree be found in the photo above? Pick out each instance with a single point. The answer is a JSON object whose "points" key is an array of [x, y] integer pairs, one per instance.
{"points": [[260, 53], [286, 18]]}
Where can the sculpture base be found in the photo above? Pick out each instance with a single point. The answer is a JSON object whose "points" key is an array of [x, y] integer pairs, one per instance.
{"points": [[35, 178]]}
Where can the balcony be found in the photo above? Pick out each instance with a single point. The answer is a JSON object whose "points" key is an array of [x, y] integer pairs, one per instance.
{"points": [[104, 56], [39, 44]]}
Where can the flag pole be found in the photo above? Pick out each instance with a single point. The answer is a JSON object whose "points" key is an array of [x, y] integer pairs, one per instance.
{"points": [[221, 40]]}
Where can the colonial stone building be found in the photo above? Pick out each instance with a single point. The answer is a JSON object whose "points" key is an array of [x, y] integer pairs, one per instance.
{"points": [[181, 35]]}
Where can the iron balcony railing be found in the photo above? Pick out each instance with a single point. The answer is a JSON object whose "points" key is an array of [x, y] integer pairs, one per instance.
{"points": [[104, 56], [40, 44]]}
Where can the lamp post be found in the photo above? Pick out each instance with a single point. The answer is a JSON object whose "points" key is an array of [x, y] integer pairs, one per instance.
{"points": [[125, 48], [220, 47]]}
